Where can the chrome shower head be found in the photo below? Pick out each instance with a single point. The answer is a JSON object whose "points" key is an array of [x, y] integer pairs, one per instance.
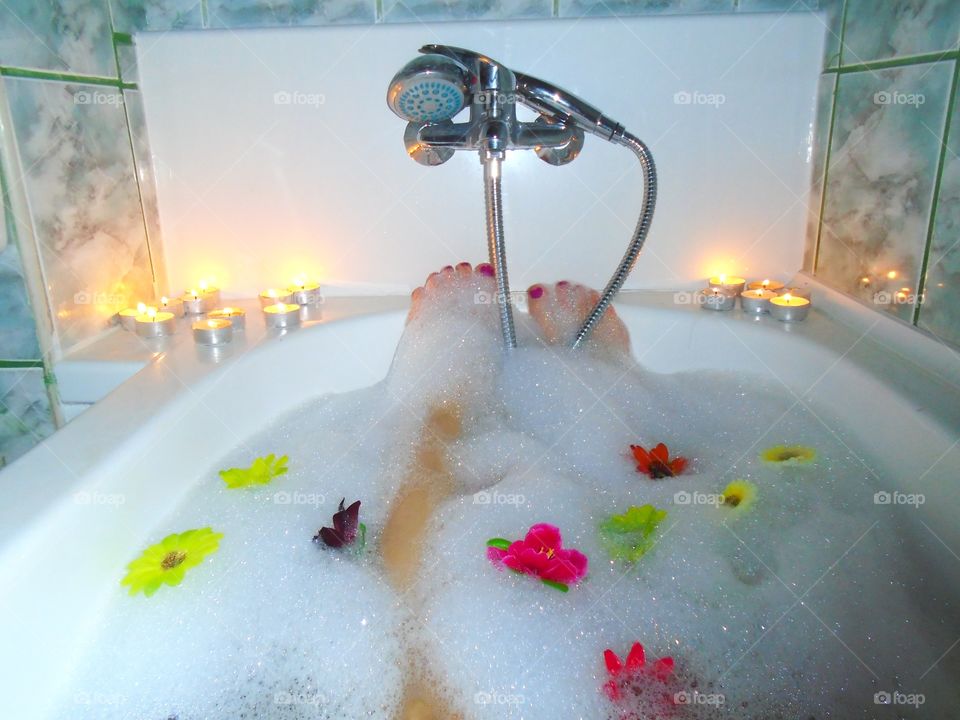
{"points": [[431, 88]]}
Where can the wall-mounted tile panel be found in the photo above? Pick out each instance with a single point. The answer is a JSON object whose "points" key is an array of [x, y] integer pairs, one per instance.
{"points": [[131, 16], [899, 28], [18, 335], [940, 313], [880, 179], [70, 36], [25, 417], [276, 13], [577, 8], [79, 175], [432, 10]]}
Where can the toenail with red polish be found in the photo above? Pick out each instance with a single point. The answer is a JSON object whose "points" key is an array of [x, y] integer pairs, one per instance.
{"points": [[447, 267], [535, 292], [485, 269], [563, 283], [464, 265]]}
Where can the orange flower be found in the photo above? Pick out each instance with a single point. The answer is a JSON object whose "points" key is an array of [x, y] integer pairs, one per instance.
{"points": [[657, 463]]}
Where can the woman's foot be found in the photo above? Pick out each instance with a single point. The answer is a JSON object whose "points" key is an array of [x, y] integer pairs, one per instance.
{"points": [[463, 286], [559, 311]]}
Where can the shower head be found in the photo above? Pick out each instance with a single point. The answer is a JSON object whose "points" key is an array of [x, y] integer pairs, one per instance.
{"points": [[431, 88]]}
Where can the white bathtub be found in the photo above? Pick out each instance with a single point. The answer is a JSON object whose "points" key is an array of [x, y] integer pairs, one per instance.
{"points": [[75, 506]]}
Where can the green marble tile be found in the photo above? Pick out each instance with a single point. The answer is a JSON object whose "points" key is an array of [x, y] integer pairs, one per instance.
{"points": [[258, 13], [133, 15], [899, 28]]}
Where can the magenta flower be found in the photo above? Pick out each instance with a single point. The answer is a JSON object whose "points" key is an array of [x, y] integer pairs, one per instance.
{"points": [[542, 555], [346, 524]]}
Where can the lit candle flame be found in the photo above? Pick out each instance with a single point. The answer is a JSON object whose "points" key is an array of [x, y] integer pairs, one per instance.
{"points": [[892, 274], [141, 308], [152, 314], [788, 297], [766, 284], [203, 286], [164, 301]]}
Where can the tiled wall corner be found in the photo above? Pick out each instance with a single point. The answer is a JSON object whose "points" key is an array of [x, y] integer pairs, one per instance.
{"points": [[891, 198], [75, 244]]}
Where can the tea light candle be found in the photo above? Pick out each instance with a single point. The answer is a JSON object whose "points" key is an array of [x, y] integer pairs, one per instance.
{"points": [[281, 315], [212, 331], [274, 297], [730, 283], [236, 317], [196, 302], [154, 324], [128, 316], [715, 298], [305, 293], [756, 301], [774, 285], [789, 308], [172, 305], [796, 292], [212, 293]]}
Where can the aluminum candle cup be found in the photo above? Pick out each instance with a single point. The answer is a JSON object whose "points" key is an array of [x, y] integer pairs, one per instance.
{"points": [[774, 285], [172, 305], [196, 303], [789, 308], [274, 296], [714, 298], [305, 293], [211, 293], [281, 315], [212, 332], [128, 316], [728, 283], [154, 324], [756, 301], [236, 316]]}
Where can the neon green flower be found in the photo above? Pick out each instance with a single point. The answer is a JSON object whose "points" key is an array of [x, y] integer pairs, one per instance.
{"points": [[168, 561], [263, 470], [629, 536], [789, 455]]}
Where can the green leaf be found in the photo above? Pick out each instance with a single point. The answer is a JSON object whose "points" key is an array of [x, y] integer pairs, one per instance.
{"points": [[261, 472], [629, 536], [556, 585], [363, 537], [500, 543]]}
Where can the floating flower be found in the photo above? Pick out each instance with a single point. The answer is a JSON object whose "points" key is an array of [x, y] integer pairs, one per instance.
{"points": [[657, 463], [168, 561], [634, 674], [630, 535], [261, 472], [542, 555], [346, 528], [739, 494], [789, 455]]}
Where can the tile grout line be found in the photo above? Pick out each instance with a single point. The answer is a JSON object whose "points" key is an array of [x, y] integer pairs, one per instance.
{"points": [[891, 63], [932, 222]]}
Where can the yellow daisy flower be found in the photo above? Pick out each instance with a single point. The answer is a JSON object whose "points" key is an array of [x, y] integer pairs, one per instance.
{"points": [[168, 561], [789, 455], [739, 495]]}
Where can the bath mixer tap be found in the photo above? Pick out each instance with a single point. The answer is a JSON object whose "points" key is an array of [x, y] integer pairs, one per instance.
{"points": [[432, 89]]}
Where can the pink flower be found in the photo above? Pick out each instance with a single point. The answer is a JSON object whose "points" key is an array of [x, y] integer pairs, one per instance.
{"points": [[542, 555]]}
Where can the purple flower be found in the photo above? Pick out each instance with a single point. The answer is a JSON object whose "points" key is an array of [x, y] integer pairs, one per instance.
{"points": [[346, 524]]}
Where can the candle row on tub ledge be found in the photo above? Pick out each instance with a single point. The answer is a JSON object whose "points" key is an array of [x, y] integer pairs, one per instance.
{"points": [[212, 324], [760, 297]]}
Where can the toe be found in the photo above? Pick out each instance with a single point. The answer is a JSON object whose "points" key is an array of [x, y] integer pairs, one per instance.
{"points": [[538, 304], [464, 270], [416, 301]]}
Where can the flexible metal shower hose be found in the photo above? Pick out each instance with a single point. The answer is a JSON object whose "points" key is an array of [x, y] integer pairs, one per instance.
{"points": [[498, 251], [636, 242]]}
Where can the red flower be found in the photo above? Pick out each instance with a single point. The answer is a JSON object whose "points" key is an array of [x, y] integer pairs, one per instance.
{"points": [[346, 523], [657, 463], [644, 684], [542, 555]]}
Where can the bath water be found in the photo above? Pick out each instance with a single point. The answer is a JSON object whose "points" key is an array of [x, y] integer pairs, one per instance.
{"points": [[806, 604]]}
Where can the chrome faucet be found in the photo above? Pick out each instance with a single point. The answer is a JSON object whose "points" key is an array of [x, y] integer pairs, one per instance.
{"points": [[433, 88]]}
